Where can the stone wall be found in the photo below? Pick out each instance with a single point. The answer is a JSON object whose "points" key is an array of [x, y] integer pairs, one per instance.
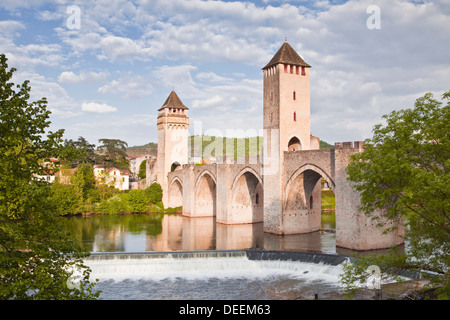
{"points": [[355, 230]]}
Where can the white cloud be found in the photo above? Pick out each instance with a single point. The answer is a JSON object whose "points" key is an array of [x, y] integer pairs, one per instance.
{"points": [[132, 87], [82, 77], [178, 77], [121, 48], [10, 28], [207, 50], [95, 107]]}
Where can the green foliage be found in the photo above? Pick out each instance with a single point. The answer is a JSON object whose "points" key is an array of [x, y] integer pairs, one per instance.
{"points": [[325, 145], [117, 204], [35, 252], [328, 199], [404, 171], [80, 151], [149, 148], [137, 201], [154, 193], [113, 153], [67, 198], [84, 179], [142, 170], [206, 146]]}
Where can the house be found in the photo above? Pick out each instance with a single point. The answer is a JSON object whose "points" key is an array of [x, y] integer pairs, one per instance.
{"points": [[46, 176], [114, 177]]}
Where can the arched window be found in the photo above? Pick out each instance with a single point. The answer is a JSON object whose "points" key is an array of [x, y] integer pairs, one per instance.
{"points": [[285, 68], [257, 198], [295, 116], [294, 144], [293, 95], [303, 71], [311, 203]]}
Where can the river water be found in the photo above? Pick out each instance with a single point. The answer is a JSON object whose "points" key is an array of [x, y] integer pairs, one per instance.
{"points": [[195, 278], [173, 232]]}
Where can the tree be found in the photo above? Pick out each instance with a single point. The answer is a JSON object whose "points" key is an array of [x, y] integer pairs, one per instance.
{"points": [[84, 179], [36, 254], [113, 154], [154, 193], [142, 170], [67, 197], [405, 172], [81, 151], [136, 201]]}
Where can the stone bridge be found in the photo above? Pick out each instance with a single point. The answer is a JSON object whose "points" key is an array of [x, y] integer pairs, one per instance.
{"points": [[233, 191]]}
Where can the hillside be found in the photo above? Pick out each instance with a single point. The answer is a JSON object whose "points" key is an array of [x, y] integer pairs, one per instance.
{"points": [[198, 145], [149, 148]]}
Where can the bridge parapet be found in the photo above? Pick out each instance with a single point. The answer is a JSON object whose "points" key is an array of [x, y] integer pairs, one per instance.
{"points": [[231, 160], [350, 145]]}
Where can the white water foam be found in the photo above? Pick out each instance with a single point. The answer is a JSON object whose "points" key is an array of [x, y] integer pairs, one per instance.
{"points": [[205, 268]]}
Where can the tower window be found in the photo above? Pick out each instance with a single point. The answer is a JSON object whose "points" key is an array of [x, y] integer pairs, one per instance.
{"points": [[311, 202], [292, 69], [293, 95], [295, 116], [296, 69], [303, 71], [285, 68], [257, 198]]}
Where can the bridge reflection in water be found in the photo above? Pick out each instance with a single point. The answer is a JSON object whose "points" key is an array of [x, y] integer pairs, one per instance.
{"points": [[173, 232]]}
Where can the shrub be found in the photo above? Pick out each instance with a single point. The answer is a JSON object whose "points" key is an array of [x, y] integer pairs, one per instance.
{"points": [[154, 193]]}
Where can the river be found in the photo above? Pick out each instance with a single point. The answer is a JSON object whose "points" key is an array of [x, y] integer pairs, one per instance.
{"points": [[174, 232]]}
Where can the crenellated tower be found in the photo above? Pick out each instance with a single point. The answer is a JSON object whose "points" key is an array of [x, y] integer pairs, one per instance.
{"points": [[286, 125], [173, 126]]}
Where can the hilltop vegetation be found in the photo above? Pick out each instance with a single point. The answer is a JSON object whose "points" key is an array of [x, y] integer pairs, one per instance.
{"points": [[205, 146], [149, 148]]}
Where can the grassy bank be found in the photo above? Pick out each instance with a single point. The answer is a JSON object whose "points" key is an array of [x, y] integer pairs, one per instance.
{"points": [[328, 200]]}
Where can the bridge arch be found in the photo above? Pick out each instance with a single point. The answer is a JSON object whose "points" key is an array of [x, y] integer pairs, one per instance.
{"points": [[205, 194], [175, 193], [247, 197], [302, 204]]}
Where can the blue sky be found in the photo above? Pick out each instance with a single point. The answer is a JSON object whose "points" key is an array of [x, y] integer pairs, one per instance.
{"points": [[107, 78]]}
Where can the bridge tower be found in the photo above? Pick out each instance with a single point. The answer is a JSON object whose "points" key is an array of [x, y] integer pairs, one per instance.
{"points": [[286, 125], [173, 125]]}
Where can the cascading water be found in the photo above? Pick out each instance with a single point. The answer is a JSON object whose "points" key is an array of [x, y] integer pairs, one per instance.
{"points": [[211, 275]]}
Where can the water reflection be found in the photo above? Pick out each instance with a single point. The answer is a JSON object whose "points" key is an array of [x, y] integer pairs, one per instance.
{"points": [[173, 232]]}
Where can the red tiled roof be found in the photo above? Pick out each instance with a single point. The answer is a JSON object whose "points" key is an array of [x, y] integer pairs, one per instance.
{"points": [[287, 55], [173, 101]]}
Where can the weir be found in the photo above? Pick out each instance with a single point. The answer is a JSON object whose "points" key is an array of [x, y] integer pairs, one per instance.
{"points": [[222, 274], [329, 259]]}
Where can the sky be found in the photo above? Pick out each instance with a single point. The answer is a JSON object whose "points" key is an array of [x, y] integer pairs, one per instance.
{"points": [[107, 66]]}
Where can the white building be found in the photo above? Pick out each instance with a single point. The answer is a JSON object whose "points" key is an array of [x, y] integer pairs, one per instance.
{"points": [[114, 177]]}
